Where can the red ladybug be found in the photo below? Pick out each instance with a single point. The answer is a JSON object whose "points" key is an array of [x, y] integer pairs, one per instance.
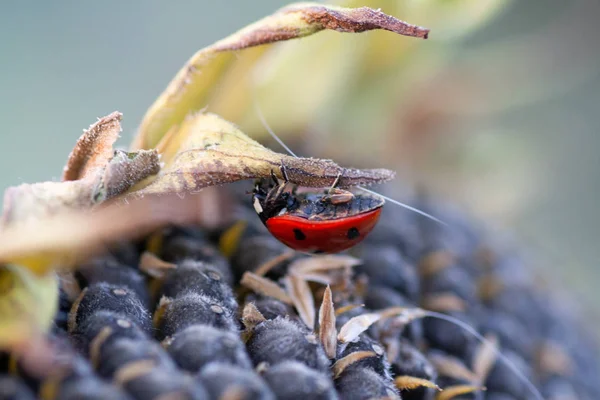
{"points": [[320, 221]]}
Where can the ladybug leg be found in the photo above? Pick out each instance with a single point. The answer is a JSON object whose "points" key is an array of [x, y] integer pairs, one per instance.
{"points": [[284, 172], [335, 195], [274, 179]]}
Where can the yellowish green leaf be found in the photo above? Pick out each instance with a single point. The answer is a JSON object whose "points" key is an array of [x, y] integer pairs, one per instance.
{"points": [[190, 89], [27, 305]]}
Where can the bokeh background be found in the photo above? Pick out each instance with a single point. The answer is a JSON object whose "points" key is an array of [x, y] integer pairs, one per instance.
{"points": [[506, 124]]}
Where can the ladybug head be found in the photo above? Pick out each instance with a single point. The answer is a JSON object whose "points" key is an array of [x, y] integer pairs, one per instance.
{"points": [[271, 198]]}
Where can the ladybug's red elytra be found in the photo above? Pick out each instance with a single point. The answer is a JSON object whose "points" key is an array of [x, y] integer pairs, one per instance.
{"points": [[313, 220]]}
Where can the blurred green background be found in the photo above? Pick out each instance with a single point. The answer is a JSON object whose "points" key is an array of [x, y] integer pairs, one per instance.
{"points": [[518, 144]]}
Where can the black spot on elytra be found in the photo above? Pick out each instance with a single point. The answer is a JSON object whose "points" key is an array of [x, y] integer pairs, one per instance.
{"points": [[353, 233], [299, 235]]}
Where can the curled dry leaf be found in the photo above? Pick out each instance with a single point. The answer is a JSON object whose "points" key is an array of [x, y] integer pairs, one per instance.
{"points": [[406, 382], [94, 148], [340, 365], [458, 390], [190, 89], [302, 298], [27, 305], [265, 287], [94, 173], [211, 151], [327, 329], [357, 325]]}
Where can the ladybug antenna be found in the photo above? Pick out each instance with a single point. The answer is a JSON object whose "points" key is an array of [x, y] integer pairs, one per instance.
{"points": [[263, 121]]}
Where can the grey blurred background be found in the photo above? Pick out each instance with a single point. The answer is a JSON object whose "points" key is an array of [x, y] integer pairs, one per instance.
{"points": [[65, 63]]}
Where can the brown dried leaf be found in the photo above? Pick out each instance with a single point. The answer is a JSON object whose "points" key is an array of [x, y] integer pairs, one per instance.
{"points": [[212, 151], [265, 287], [443, 302], [189, 90], [123, 171], [406, 382], [94, 148], [340, 365], [94, 173], [458, 390], [485, 357], [452, 368], [251, 316], [357, 325], [327, 329], [153, 266], [302, 298]]}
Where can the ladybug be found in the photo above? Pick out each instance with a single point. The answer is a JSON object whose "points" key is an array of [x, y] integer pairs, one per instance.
{"points": [[313, 220]]}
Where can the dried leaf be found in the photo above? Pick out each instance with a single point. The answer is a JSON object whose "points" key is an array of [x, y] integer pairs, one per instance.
{"points": [[458, 390], [452, 368], [340, 365], [94, 173], [151, 265], [406, 382], [302, 297], [407, 314], [327, 329], [213, 151], [69, 238], [485, 357], [251, 316], [27, 305], [443, 302], [265, 287], [192, 85], [94, 148], [123, 171], [357, 325]]}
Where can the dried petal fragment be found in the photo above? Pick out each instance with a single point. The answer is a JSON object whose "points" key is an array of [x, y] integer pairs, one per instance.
{"points": [[405, 382], [94, 148], [268, 265], [343, 363], [452, 368], [443, 302], [485, 357], [154, 266], [323, 263], [193, 84], [454, 391], [327, 330], [251, 316], [265, 287], [357, 325], [213, 151], [302, 298]]}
